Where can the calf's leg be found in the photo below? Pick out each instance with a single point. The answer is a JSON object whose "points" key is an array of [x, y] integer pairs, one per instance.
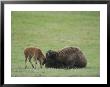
{"points": [[40, 63], [31, 62], [35, 62], [25, 63]]}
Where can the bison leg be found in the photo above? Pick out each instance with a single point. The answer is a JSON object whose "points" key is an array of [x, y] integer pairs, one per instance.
{"points": [[70, 64]]}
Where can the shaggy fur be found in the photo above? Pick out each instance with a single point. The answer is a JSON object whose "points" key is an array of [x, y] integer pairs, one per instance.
{"points": [[70, 57], [35, 53]]}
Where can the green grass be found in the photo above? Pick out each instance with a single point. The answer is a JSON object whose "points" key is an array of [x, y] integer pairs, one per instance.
{"points": [[55, 30]]}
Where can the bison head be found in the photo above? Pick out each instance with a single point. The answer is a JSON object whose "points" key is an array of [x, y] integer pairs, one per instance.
{"points": [[51, 54], [51, 59]]}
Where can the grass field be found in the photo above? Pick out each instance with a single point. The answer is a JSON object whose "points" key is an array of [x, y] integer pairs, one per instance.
{"points": [[55, 30]]}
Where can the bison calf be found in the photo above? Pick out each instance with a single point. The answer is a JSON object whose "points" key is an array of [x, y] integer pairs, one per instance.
{"points": [[35, 53], [70, 57]]}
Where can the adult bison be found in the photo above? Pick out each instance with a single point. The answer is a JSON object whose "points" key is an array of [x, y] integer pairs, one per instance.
{"points": [[70, 57], [36, 54]]}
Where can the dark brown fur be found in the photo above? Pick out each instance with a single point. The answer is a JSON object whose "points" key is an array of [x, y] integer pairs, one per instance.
{"points": [[35, 53], [70, 57]]}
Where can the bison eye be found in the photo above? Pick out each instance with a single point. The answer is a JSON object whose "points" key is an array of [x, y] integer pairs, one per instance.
{"points": [[48, 55]]}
